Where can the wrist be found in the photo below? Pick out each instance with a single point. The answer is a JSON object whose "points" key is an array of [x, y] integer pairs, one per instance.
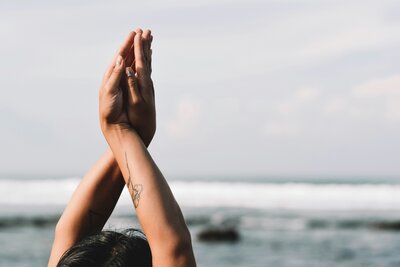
{"points": [[115, 131], [108, 128], [119, 136]]}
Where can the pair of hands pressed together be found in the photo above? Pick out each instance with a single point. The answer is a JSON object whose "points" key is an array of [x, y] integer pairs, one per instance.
{"points": [[126, 97], [128, 121]]}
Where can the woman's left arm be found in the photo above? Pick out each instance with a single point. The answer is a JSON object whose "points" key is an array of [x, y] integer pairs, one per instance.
{"points": [[90, 206], [97, 194]]}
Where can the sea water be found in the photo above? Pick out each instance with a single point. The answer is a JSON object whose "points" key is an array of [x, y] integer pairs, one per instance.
{"points": [[280, 221]]}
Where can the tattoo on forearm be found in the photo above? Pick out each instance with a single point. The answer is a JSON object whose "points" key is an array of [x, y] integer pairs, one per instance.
{"points": [[134, 189], [137, 190]]}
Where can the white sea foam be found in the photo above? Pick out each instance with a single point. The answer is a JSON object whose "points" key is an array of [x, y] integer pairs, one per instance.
{"points": [[291, 196]]}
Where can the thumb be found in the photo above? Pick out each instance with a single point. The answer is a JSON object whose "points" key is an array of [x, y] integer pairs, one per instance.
{"points": [[115, 77]]}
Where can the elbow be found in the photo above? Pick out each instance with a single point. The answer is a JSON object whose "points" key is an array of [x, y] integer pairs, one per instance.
{"points": [[183, 254], [176, 250], [182, 245], [185, 239]]}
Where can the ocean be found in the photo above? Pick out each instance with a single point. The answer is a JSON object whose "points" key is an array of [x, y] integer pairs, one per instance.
{"points": [[277, 221]]}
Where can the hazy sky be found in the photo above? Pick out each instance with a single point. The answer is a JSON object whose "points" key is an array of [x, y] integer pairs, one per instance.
{"points": [[289, 87]]}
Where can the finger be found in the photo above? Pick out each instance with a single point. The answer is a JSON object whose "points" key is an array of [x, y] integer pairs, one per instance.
{"points": [[131, 54], [133, 90], [150, 54], [126, 45], [151, 40], [150, 67], [146, 44], [144, 81], [122, 51], [139, 56], [112, 84]]}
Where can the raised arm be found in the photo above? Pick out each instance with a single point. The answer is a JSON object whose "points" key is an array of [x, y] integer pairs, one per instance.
{"points": [[90, 206], [157, 210], [99, 190]]}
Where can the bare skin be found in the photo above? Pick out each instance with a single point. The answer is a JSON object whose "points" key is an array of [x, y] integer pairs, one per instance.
{"points": [[90, 206], [156, 207], [97, 194], [128, 120]]}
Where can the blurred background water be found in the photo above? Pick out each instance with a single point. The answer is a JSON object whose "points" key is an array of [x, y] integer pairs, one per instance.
{"points": [[280, 222]]}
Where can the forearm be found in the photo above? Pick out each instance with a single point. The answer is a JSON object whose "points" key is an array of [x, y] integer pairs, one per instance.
{"points": [[156, 208], [95, 198], [90, 206]]}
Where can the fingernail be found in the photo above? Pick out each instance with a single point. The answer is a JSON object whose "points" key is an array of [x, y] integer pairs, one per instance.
{"points": [[129, 72], [119, 61]]}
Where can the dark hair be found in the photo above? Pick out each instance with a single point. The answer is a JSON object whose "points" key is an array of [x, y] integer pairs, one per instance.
{"points": [[111, 249]]}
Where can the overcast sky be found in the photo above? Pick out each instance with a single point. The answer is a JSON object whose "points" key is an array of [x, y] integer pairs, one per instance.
{"points": [[284, 87]]}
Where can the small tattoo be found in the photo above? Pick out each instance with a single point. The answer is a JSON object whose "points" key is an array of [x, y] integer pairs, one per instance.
{"points": [[134, 190], [137, 190]]}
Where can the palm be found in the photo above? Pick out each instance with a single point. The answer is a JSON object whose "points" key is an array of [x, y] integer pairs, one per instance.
{"points": [[112, 106], [140, 108], [116, 109]]}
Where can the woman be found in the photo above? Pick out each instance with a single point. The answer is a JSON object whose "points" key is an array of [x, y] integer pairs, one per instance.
{"points": [[128, 122]]}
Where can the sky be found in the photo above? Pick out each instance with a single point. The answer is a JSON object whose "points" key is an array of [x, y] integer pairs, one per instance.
{"points": [[243, 88]]}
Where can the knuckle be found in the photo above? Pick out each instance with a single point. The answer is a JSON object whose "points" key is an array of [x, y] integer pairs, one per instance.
{"points": [[117, 70], [109, 91], [106, 89], [131, 82]]}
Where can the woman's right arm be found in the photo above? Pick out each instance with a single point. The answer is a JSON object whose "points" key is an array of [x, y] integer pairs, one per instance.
{"points": [[157, 210]]}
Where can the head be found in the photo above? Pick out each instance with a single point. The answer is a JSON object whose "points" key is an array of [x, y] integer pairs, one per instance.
{"points": [[111, 249]]}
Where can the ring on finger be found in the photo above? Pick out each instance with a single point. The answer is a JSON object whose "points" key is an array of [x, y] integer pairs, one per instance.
{"points": [[129, 72]]}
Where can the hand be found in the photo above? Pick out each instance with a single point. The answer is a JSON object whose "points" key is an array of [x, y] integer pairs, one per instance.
{"points": [[112, 107], [129, 100], [141, 110]]}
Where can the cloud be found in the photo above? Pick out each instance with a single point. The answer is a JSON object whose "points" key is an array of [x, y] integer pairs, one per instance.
{"points": [[392, 110], [301, 98], [376, 99], [342, 105], [285, 119], [386, 87], [385, 91], [234, 78], [184, 120]]}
